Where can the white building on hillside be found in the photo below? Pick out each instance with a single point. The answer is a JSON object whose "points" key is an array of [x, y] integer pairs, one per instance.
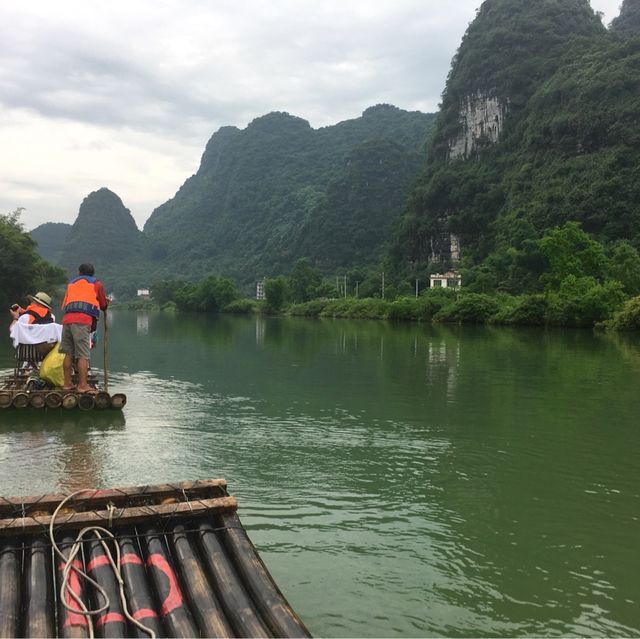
{"points": [[452, 279]]}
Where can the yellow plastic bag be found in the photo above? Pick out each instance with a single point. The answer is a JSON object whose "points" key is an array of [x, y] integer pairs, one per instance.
{"points": [[51, 367]]}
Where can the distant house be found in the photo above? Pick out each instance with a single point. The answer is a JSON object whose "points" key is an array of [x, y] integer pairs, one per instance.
{"points": [[260, 294], [452, 279], [144, 293]]}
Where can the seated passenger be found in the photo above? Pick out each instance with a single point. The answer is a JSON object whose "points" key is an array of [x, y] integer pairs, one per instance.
{"points": [[37, 312]]}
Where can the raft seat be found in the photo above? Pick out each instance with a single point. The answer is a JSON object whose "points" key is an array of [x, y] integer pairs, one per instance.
{"points": [[31, 355]]}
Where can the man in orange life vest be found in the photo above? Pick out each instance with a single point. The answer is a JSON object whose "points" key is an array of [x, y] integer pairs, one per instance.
{"points": [[37, 312], [82, 303]]}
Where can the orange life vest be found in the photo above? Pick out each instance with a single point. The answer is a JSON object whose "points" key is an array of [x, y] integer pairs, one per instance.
{"points": [[81, 297], [40, 314]]}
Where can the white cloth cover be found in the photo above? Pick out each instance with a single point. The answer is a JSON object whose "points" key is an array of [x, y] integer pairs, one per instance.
{"points": [[35, 333]]}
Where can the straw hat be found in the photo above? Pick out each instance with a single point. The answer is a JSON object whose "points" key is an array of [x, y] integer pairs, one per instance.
{"points": [[41, 298]]}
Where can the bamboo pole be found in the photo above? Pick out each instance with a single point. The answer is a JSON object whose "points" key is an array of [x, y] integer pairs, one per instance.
{"points": [[20, 400], [5, 399], [174, 611], [118, 401], [38, 590], [53, 399], [204, 605], [137, 588], [10, 566], [111, 622], [103, 400], [86, 401], [69, 401], [274, 608], [71, 625], [239, 608]]}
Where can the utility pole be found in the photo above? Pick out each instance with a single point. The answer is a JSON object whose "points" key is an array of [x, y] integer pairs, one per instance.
{"points": [[345, 286], [382, 284], [416, 288], [357, 288]]}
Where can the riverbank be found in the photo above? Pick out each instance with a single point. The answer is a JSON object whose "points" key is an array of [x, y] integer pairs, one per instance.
{"points": [[604, 307]]}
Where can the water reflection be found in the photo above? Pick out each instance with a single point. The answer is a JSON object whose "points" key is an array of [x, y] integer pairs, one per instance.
{"points": [[399, 480], [46, 450], [142, 323]]}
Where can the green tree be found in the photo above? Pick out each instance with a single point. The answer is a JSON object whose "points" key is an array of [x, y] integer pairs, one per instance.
{"points": [[304, 281], [22, 270], [214, 293], [570, 251], [275, 290], [625, 267]]}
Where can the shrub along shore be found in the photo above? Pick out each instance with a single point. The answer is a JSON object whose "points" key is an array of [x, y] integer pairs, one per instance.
{"points": [[605, 310]]}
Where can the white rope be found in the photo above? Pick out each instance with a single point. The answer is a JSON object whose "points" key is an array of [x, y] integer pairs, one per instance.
{"points": [[65, 588]]}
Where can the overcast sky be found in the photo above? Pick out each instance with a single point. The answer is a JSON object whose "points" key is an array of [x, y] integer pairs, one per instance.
{"points": [[126, 94]]}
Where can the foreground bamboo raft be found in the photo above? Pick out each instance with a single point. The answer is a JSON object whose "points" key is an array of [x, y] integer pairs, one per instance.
{"points": [[188, 567]]}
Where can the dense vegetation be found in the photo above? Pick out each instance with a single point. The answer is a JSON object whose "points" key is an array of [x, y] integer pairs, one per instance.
{"points": [[279, 190], [545, 202], [50, 238], [581, 285], [22, 270], [568, 151]]}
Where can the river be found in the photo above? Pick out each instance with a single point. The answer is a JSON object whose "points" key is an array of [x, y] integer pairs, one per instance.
{"points": [[398, 479]]}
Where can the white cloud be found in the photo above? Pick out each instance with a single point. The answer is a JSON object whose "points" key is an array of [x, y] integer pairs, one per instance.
{"points": [[126, 94]]}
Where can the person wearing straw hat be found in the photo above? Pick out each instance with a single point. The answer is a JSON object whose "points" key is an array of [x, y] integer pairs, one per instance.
{"points": [[37, 312]]}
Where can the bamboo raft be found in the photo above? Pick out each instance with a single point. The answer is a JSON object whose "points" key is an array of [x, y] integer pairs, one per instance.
{"points": [[187, 565], [20, 391]]}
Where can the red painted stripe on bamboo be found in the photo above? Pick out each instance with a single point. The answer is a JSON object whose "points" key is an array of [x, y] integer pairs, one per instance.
{"points": [[144, 613], [131, 558], [100, 560], [111, 617], [174, 598], [73, 618]]}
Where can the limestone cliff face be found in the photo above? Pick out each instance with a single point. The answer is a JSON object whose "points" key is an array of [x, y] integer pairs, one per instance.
{"points": [[481, 119]]}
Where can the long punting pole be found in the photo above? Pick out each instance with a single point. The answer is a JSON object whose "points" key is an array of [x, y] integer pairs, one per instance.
{"points": [[106, 351]]}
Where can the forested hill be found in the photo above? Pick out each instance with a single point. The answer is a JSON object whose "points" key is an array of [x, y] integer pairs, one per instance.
{"points": [[105, 234], [279, 190], [627, 24], [540, 125], [50, 238], [262, 198]]}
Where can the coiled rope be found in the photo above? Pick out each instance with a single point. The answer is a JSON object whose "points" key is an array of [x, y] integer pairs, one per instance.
{"points": [[65, 588]]}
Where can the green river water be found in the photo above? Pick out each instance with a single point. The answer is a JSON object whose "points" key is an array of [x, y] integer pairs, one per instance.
{"points": [[398, 480]]}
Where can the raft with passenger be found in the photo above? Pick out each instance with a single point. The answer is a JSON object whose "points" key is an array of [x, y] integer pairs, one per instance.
{"points": [[36, 380], [170, 560]]}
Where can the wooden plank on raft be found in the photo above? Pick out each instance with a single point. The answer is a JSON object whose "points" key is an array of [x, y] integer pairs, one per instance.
{"points": [[119, 516], [118, 496]]}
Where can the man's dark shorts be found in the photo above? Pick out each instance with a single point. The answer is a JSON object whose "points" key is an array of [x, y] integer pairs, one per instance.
{"points": [[76, 340]]}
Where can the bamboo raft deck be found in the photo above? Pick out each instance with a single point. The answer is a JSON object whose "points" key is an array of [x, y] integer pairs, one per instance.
{"points": [[188, 566], [18, 390]]}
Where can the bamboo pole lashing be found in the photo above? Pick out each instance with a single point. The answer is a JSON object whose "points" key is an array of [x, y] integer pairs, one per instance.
{"points": [[119, 516], [118, 496]]}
